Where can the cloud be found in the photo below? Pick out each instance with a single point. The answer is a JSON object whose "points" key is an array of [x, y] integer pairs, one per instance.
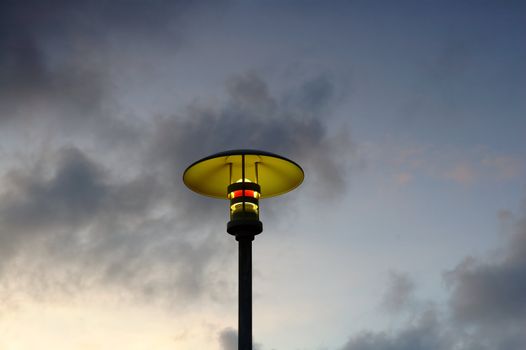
{"points": [[461, 173], [76, 214], [492, 292], [98, 228], [293, 124], [486, 307], [92, 226], [57, 58], [470, 166], [33, 80], [78, 191], [399, 292], [92, 230], [424, 334], [228, 340], [505, 167]]}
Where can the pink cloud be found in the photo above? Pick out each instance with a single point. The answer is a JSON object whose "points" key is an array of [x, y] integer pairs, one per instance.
{"points": [[462, 173]]}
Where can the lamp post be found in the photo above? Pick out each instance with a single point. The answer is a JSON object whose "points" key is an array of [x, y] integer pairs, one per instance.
{"points": [[243, 177]]}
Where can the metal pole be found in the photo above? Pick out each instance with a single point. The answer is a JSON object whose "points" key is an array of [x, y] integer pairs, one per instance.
{"points": [[245, 292]]}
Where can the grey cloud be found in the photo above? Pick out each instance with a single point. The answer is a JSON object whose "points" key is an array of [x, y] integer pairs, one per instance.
{"points": [[87, 227], [228, 340], [74, 227], [292, 124], [33, 81], [399, 293], [97, 229], [73, 193], [73, 89], [35, 204], [486, 310], [55, 55], [251, 118], [315, 96], [492, 292], [77, 192], [425, 334]]}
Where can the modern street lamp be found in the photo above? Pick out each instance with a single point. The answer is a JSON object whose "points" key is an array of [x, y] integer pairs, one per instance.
{"points": [[243, 177]]}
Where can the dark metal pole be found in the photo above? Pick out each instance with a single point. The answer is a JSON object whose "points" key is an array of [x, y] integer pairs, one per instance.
{"points": [[245, 292]]}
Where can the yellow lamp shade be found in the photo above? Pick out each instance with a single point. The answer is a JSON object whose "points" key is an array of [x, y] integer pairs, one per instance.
{"points": [[212, 175]]}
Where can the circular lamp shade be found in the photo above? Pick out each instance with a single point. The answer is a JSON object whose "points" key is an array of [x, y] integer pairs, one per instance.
{"points": [[212, 175]]}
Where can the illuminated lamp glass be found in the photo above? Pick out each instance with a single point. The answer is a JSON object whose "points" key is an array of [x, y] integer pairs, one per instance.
{"points": [[243, 177]]}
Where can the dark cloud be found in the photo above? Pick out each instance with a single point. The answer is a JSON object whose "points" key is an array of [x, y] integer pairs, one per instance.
{"points": [[32, 80], [293, 124], [55, 56], [95, 227], [89, 228], [35, 204], [77, 192], [253, 118], [492, 292], [82, 222], [68, 223]]}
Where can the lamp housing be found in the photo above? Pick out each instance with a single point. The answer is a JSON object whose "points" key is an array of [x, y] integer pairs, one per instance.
{"points": [[243, 177]]}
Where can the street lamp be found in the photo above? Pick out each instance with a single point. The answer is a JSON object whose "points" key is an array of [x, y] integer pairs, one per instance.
{"points": [[243, 177]]}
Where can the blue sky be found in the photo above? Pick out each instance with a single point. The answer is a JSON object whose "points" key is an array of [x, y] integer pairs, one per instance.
{"points": [[408, 118]]}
